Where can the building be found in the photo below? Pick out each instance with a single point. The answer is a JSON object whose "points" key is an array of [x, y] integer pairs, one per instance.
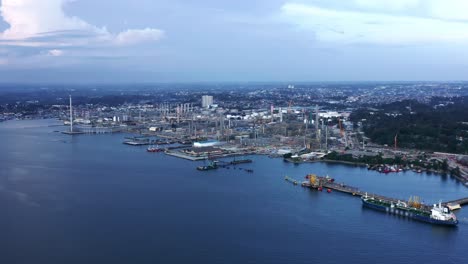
{"points": [[208, 143], [207, 100], [203, 151]]}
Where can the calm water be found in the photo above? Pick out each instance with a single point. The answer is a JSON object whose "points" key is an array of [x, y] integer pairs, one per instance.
{"points": [[91, 199]]}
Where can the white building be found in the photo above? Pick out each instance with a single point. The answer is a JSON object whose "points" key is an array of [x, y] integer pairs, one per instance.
{"points": [[209, 143], [330, 115], [207, 100]]}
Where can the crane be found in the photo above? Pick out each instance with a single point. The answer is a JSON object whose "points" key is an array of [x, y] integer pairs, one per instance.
{"points": [[289, 107], [341, 128]]}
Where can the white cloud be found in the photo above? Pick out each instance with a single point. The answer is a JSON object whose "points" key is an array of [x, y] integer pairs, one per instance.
{"points": [[449, 9], [392, 5], [363, 27], [134, 36], [37, 23], [55, 52], [28, 18], [441, 9]]}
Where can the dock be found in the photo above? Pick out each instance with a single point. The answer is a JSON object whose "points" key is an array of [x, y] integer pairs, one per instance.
{"points": [[326, 183], [179, 154], [456, 204], [73, 133], [461, 202], [291, 180], [136, 143]]}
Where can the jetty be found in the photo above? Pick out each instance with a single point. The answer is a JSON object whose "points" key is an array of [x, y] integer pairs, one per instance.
{"points": [[456, 204], [291, 180], [461, 202], [319, 183]]}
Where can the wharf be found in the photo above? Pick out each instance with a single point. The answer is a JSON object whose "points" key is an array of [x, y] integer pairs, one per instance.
{"points": [[179, 154], [340, 187], [72, 133], [461, 202], [291, 180], [137, 143]]}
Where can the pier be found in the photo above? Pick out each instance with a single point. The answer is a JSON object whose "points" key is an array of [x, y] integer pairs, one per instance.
{"points": [[456, 204], [328, 183], [182, 155], [291, 180], [461, 202]]}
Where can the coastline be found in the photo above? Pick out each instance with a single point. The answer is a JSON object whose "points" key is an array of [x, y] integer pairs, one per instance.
{"points": [[359, 164], [460, 179]]}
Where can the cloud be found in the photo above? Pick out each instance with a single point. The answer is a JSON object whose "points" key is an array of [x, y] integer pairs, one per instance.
{"points": [[30, 17], [449, 9], [55, 53], [378, 28], [135, 36], [440, 9], [36, 23], [392, 5]]}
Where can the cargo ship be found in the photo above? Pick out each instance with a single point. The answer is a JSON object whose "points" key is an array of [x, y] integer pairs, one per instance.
{"points": [[438, 214]]}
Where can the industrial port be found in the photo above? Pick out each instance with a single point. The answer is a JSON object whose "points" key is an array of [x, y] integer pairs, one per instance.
{"points": [[206, 130]]}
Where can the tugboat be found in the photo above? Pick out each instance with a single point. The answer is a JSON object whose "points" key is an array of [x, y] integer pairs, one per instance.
{"points": [[438, 214]]}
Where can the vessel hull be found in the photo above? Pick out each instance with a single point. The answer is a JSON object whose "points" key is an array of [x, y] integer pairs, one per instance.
{"points": [[407, 213]]}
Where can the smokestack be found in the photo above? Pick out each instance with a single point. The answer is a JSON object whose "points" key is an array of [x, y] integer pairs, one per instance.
{"points": [[71, 115]]}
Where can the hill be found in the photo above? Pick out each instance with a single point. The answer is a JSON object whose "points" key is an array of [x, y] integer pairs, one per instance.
{"points": [[441, 125]]}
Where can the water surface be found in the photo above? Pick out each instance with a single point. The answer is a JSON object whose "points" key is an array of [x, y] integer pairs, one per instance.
{"points": [[91, 199]]}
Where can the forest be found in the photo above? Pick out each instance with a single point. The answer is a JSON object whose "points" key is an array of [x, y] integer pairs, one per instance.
{"points": [[441, 125]]}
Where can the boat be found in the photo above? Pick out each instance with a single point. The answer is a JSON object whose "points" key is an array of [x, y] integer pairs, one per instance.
{"points": [[212, 166], [438, 214], [241, 161], [153, 149]]}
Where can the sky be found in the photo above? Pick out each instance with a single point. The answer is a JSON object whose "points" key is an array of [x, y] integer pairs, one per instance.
{"points": [[85, 41]]}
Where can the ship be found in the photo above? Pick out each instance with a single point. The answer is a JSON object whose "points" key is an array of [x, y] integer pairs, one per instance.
{"points": [[154, 149], [211, 166], [438, 214], [240, 161]]}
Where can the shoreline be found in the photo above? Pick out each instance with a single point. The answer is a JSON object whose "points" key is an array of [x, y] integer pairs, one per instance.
{"points": [[460, 179], [359, 164]]}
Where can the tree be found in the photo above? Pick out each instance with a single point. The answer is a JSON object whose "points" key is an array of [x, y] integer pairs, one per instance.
{"points": [[455, 171], [445, 166]]}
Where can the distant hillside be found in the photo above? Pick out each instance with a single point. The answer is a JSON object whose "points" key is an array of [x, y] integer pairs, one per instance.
{"points": [[441, 125]]}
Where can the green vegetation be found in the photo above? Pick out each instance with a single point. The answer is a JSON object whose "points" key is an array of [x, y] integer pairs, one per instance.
{"points": [[361, 159], [439, 126]]}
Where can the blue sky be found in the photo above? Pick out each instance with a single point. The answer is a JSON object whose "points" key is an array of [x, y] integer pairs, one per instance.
{"points": [[243, 40]]}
